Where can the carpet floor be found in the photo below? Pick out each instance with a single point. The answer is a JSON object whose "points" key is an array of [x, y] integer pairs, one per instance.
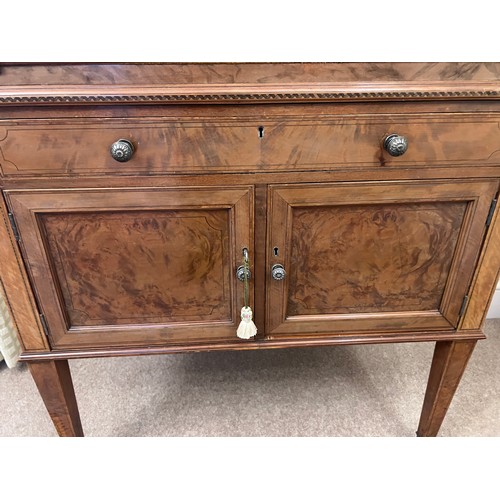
{"points": [[320, 391]]}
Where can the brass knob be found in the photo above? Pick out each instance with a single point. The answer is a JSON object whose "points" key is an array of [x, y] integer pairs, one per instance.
{"points": [[396, 145], [240, 273], [122, 150], [278, 272]]}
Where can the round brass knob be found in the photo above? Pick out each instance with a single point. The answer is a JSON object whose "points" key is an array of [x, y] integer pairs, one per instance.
{"points": [[278, 272], [122, 150], [396, 145], [240, 273]]}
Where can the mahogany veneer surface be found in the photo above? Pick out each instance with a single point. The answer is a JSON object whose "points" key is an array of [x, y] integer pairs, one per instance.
{"points": [[216, 144], [285, 161]]}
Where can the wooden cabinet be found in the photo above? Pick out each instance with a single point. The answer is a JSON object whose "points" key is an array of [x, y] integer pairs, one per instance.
{"points": [[367, 206]]}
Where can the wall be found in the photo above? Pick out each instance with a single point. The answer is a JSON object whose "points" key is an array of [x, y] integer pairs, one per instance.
{"points": [[494, 311]]}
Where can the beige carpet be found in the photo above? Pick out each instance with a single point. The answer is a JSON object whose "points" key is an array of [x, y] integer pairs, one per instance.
{"points": [[334, 391]]}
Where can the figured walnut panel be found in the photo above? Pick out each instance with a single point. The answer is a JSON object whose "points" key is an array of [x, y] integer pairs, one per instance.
{"points": [[372, 258], [141, 267]]}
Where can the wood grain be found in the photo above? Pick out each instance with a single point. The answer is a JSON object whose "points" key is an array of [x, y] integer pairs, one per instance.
{"points": [[373, 256], [139, 258], [357, 338], [200, 112], [297, 176], [259, 275], [245, 83], [486, 278], [137, 266], [15, 284], [174, 146], [141, 267], [448, 365], [53, 379], [240, 73]]}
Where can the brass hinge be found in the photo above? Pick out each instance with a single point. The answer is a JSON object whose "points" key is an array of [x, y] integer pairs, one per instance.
{"points": [[463, 306], [44, 325], [14, 226], [491, 212]]}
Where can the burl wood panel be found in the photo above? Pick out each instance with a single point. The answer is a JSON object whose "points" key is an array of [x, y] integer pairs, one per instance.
{"points": [[372, 258], [180, 146], [141, 267]]}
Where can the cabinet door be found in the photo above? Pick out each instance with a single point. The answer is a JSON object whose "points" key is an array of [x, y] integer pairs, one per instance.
{"points": [[117, 267], [373, 257]]}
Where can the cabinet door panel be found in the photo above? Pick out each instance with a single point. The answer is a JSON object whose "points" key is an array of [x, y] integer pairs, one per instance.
{"points": [[373, 257], [142, 267], [118, 267]]}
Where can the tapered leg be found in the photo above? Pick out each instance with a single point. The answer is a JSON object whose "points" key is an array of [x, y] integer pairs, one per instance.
{"points": [[448, 365], [54, 383]]}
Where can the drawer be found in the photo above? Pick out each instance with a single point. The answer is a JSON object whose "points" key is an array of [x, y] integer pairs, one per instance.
{"points": [[174, 146], [163, 146]]}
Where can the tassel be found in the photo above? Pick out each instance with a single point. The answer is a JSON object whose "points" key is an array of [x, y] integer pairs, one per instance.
{"points": [[247, 328]]}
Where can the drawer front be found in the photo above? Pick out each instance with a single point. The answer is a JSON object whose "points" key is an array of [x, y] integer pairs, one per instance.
{"points": [[176, 146], [136, 266]]}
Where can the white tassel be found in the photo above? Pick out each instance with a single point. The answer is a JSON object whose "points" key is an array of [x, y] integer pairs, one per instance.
{"points": [[247, 328]]}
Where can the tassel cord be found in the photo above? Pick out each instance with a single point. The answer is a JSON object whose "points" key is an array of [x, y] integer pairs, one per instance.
{"points": [[246, 269]]}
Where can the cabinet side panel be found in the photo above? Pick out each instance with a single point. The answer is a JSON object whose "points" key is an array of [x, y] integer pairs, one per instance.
{"points": [[17, 289], [485, 279]]}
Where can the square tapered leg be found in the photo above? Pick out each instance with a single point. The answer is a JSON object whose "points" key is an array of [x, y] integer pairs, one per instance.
{"points": [[54, 383], [448, 365]]}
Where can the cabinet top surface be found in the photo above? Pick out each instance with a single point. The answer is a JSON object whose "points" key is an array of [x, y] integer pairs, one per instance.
{"points": [[62, 83]]}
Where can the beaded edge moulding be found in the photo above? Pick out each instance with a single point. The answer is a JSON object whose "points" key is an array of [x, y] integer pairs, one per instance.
{"points": [[60, 99]]}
